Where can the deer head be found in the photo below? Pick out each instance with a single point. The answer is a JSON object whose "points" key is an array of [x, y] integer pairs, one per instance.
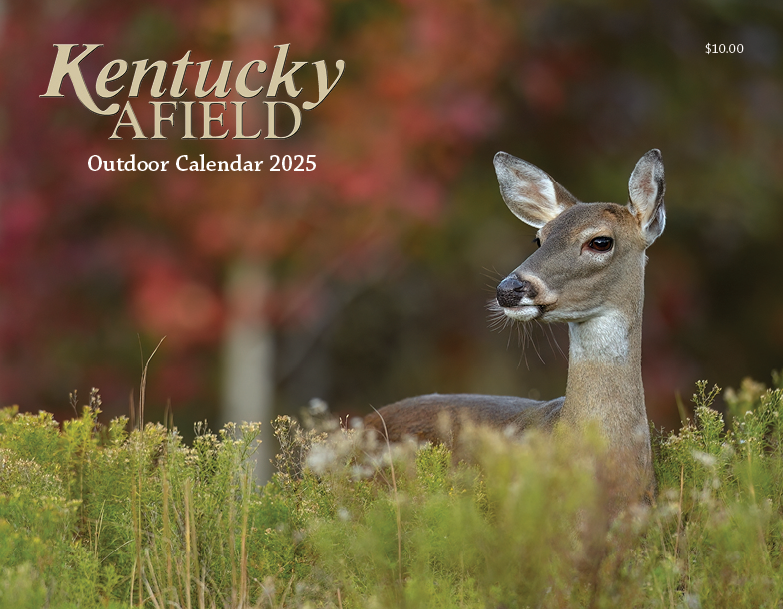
{"points": [[590, 259]]}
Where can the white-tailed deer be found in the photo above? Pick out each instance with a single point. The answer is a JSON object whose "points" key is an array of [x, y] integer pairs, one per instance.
{"points": [[588, 272]]}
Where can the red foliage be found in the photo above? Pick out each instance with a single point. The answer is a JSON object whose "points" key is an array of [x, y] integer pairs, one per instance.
{"points": [[88, 259]]}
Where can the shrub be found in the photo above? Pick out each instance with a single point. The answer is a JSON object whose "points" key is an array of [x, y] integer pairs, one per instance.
{"points": [[98, 516]]}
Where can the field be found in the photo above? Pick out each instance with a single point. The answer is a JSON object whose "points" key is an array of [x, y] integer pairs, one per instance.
{"points": [[97, 516]]}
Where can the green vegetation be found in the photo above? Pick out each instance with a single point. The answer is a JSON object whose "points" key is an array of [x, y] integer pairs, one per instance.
{"points": [[94, 516]]}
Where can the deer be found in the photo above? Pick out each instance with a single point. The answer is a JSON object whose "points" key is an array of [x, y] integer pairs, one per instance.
{"points": [[587, 272]]}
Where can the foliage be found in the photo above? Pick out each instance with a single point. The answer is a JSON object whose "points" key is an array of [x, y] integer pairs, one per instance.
{"points": [[95, 516]]}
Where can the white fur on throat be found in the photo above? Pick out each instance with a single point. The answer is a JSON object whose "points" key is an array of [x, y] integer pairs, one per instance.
{"points": [[601, 338]]}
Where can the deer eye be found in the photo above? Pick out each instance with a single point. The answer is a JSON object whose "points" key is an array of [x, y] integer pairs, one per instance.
{"points": [[601, 244], [537, 241]]}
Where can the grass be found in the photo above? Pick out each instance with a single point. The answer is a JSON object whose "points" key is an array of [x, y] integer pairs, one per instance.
{"points": [[97, 516]]}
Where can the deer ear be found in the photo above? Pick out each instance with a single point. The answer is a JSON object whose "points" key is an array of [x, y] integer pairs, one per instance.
{"points": [[646, 189], [530, 193]]}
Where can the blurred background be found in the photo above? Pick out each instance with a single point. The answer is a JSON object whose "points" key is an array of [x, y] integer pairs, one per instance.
{"points": [[366, 281]]}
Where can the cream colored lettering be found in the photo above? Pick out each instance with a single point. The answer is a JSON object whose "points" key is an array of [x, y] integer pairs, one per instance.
{"points": [[241, 84], [141, 72], [188, 105], [220, 84], [279, 78], [323, 82], [179, 75], [159, 118], [104, 77], [152, 75], [240, 123], [271, 120], [208, 119], [63, 67], [138, 134]]}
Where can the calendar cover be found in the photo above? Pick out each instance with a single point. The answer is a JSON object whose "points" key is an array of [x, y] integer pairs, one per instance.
{"points": [[218, 212]]}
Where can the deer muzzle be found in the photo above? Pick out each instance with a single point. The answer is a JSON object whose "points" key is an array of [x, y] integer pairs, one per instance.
{"points": [[512, 291]]}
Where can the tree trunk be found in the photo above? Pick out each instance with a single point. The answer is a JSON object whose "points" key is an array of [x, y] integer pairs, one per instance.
{"points": [[248, 357]]}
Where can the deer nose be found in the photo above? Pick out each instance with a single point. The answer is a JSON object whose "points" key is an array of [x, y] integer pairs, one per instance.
{"points": [[512, 290]]}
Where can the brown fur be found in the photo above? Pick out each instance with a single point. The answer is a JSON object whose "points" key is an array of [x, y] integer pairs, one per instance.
{"points": [[423, 417]]}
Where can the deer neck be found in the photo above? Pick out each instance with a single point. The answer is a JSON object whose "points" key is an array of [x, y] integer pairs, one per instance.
{"points": [[605, 378]]}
